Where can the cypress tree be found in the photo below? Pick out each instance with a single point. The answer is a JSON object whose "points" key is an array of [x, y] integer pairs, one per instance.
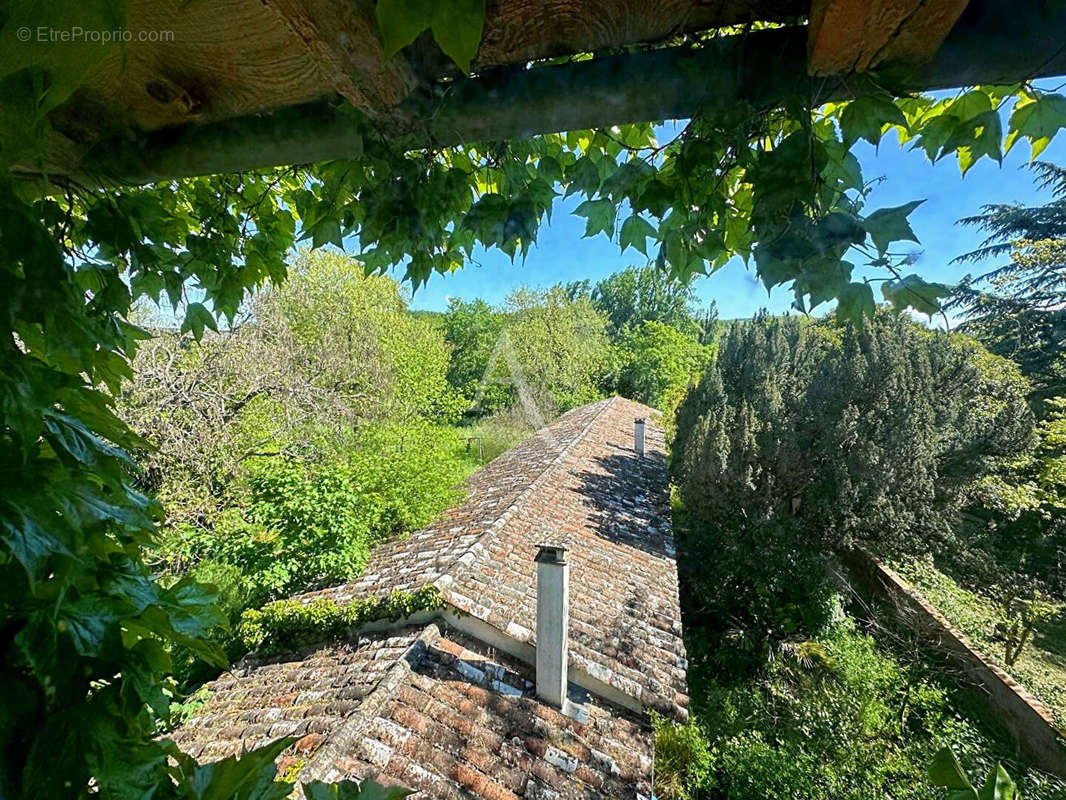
{"points": [[804, 438]]}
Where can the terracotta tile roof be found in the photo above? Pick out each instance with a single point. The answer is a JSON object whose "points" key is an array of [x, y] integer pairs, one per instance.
{"points": [[578, 481], [309, 696], [463, 721], [445, 713]]}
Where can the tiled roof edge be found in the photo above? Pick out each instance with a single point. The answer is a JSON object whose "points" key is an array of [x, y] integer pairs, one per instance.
{"points": [[342, 742], [516, 505]]}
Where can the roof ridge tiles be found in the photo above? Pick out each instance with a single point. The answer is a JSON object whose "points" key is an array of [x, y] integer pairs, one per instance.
{"points": [[342, 742]]}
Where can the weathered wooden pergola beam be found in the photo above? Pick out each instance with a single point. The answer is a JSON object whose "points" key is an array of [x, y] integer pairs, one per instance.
{"points": [[847, 35], [991, 43]]}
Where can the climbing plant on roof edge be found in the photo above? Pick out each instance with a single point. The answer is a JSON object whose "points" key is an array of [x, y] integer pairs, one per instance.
{"points": [[85, 631]]}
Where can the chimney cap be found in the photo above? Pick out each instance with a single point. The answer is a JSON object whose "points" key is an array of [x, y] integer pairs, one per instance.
{"points": [[552, 553]]}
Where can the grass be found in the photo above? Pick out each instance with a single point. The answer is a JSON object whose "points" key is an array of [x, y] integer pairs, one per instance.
{"points": [[1041, 668], [498, 432]]}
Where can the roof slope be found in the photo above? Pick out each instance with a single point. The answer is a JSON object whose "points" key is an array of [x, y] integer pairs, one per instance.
{"points": [[580, 482], [447, 713], [436, 712]]}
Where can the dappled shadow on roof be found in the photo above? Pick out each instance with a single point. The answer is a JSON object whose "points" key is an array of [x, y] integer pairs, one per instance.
{"points": [[626, 501]]}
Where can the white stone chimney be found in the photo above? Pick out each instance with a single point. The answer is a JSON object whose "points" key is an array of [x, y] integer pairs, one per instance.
{"points": [[553, 622], [638, 437]]}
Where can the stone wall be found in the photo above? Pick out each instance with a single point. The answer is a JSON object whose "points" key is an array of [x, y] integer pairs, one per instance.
{"points": [[1025, 717]]}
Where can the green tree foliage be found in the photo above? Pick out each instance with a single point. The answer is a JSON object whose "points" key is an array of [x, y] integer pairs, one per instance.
{"points": [[543, 350], [804, 438], [560, 344], [473, 330], [658, 364], [289, 445], [637, 295], [1016, 309], [1017, 518], [288, 625], [683, 759], [324, 355], [656, 331], [296, 524]]}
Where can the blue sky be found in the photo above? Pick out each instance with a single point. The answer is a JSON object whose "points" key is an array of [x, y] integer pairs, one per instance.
{"points": [[561, 254]]}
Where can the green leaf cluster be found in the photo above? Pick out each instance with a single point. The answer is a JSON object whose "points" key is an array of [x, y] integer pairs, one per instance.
{"points": [[456, 26], [288, 625], [946, 771]]}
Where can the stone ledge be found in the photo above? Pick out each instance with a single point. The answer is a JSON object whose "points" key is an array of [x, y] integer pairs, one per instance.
{"points": [[1027, 719]]}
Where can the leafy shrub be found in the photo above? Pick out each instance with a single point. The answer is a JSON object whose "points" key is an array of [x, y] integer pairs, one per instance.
{"points": [[253, 775], [752, 769], [855, 724], [291, 624], [682, 759], [946, 771], [1039, 666], [300, 524]]}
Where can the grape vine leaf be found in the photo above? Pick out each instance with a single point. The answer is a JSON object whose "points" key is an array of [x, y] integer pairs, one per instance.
{"points": [[197, 317], [887, 225], [856, 300], [635, 231], [980, 135], [913, 292], [456, 26], [599, 216], [865, 118], [401, 21], [1038, 121]]}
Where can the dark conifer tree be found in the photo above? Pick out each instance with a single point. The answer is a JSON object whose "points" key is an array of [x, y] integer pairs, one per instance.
{"points": [[806, 438], [1017, 308]]}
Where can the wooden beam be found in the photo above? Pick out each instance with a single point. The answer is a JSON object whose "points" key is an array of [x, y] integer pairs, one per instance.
{"points": [[342, 41], [990, 44], [858, 35], [517, 31]]}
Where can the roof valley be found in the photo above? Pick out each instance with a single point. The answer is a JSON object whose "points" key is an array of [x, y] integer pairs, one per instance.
{"points": [[322, 766]]}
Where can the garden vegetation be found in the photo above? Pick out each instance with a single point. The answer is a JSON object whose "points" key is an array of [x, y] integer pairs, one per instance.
{"points": [[804, 439], [105, 525]]}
